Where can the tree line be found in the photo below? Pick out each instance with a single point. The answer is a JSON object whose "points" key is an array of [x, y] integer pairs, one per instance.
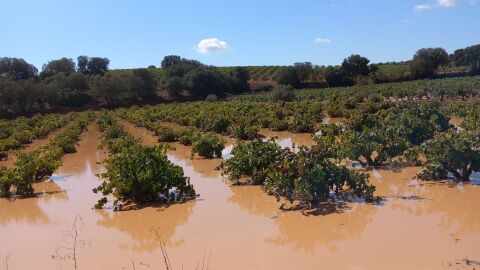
{"points": [[88, 82], [201, 80], [66, 83], [357, 69]]}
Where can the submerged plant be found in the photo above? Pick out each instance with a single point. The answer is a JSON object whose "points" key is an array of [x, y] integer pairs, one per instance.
{"points": [[308, 176], [209, 145], [144, 174]]}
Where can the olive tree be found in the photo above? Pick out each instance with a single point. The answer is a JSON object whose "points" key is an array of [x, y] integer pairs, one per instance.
{"points": [[426, 61], [16, 68]]}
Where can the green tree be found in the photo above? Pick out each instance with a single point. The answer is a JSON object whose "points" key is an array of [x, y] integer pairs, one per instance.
{"points": [[82, 63], [175, 86], [469, 56], [16, 68], [336, 77], [62, 65], [304, 70], [425, 62], [288, 76], [205, 81], [239, 78], [148, 83], [355, 66], [170, 60], [97, 65]]}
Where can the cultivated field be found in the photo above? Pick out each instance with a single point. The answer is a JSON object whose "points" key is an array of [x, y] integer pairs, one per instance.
{"points": [[387, 175]]}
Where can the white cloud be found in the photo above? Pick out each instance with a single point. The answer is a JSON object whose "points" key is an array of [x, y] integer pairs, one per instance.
{"points": [[448, 3], [322, 40], [442, 4], [422, 7], [212, 45]]}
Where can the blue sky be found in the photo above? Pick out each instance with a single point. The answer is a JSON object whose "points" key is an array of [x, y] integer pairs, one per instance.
{"points": [[247, 32]]}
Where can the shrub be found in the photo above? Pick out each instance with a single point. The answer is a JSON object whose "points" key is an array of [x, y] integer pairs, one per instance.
{"points": [[144, 174], [302, 123], [5, 182], [252, 160], [390, 132], [452, 152], [243, 132], [310, 178], [211, 98], [187, 136], [307, 176], [209, 145], [279, 125], [282, 93], [165, 134], [22, 176], [335, 110], [219, 125]]}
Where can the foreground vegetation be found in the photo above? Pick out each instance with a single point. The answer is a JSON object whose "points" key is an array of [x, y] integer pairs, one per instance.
{"points": [[41, 163], [138, 173]]}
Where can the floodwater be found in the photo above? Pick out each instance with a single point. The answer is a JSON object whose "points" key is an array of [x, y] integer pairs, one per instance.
{"points": [[420, 225], [9, 162]]}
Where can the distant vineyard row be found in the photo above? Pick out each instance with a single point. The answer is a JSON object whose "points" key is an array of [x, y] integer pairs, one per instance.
{"points": [[256, 72]]}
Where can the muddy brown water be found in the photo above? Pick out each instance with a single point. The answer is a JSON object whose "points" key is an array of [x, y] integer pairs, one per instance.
{"points": [[9, 162], [421, 225]]}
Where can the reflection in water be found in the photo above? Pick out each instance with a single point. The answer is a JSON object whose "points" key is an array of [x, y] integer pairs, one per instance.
{"points": [[420, 225], [254, 200], [287, 139], [139, 224], [306, 232]]}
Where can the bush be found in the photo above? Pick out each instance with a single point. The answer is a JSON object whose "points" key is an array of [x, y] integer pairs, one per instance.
{"points": [[279, 125], [5, 182], [243, 132], [252, 160], [144, 174], [452, 152], [282, 93], [187, 136], [335, 110], [211, 98], [310, 178], [302, 123], [307, 176], [175, 86], [22, 176], [208, 146], [165, 134], [219, 125], [390, 132]]}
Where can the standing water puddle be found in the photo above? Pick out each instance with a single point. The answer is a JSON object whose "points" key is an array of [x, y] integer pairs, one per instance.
{"points": [[421, 225]]}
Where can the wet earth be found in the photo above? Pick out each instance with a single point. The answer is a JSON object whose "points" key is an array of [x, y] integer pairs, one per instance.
{"points": [[419, 225]]}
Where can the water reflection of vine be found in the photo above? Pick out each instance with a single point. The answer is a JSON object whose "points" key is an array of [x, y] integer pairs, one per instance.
{"points": [[139, 223]]}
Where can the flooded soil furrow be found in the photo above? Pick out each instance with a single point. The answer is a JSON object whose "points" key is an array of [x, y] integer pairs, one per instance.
{"points": [[27, 148], [420, 225]]}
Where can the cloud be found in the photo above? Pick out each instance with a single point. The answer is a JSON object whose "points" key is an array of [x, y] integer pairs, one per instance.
{"points": [[442, 4], [421, 7], [447, 3], [322, 40], [212, 45]]}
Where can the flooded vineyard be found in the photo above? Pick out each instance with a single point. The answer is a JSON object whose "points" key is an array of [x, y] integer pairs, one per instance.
{"points": [[418, 225]]}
